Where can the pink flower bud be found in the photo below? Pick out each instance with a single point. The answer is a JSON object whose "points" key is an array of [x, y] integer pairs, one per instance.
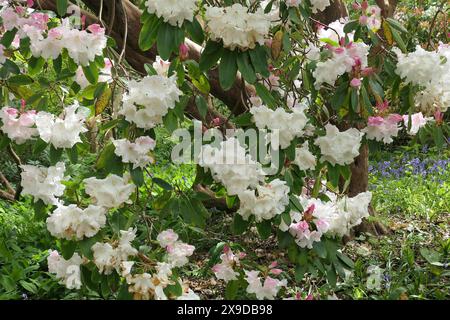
{"points": [[339, 50], [30, 3], [367, 71], [364, 5], [183, 52], [383, 105], [438, 116], [310, 209], [273, 264], [363, 20], [268, 43], [242, 255], [355, 83], [83, 21], [226, 248], [356, 6], [276, 271], [216, 121]]}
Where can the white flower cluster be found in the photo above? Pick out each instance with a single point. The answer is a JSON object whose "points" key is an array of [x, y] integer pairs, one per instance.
{"points": [[231, 166], [237, 27], [43, 183], [431, 71], [18, 127], [81, 45], [108, 257], [110, 192], [267, 290], [333, 218], [343, 60], [375, 277], [339, 147], [287, 125], [149, 100], [383, 129], [304, 159], [71, 222], [319, 5], [178, 251], [225, 269], [173, 11], [62, 132], [67, 271], [145, 286], [266, 202], [136, 152]]}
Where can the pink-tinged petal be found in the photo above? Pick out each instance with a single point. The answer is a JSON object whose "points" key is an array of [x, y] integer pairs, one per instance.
{"points": [[355, 83], [275, 271], [375, 121]]}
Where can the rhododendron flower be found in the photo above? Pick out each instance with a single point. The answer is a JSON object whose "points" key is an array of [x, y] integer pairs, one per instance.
{"points": [[271, 201], [304, 159], [375, 278], [18, 126], [178, 253], [287, 125], [149, 100], [136, 152], [343, 60], [237, 27], [71, 222], [173, 11], [63, 132], [417, 121], [43, 183], [167, 237], [108, 257], [339, 147], [231, 166], [66, 271], [161, 66], [268, 290], [110, 192], [383, 129], [225, 269]]}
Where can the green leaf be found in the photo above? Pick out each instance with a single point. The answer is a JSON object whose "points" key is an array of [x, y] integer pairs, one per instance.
{"points": [[264, 229], [331, 276], [258, 56], [68, 248], [202, 107], [265, 95], [239, 225], [171, 121], [57, 64], [245, 67], [162, 183], [72, 154], [124, 293], [149, 32], [61, 7], [354, 99], [8, 37], [210, 55], [195, 30], [350, 26], [320, 249], [295, 203], [137, 175], [55, 154], [20, 79], [395, 24], [166, 40], [346, 260], [39, 146], [228, 69], [333, 174], [35, 65], [40, 210], [398, 39], [231, 289], [91, 73]]}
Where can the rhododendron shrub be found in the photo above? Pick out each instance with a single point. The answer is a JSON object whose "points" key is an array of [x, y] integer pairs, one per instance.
{"points": [[312, 96]]}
